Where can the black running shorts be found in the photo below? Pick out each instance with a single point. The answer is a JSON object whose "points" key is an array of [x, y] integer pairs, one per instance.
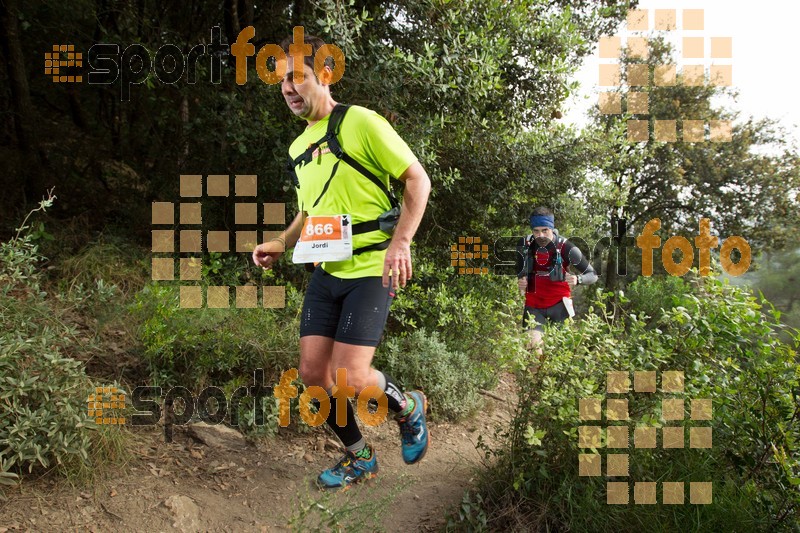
{"points": [[352, 311], [534, 318]]}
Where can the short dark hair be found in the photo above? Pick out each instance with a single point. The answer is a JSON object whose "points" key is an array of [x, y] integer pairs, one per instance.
{"points": [[315, 42], [542, 211]]}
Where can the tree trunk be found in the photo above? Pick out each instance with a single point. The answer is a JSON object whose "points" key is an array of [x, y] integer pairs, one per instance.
{"points": [[298, 12], [106, 21], [184, 112], [231, 19], [23, 112], [611, 269], [246, 13], [75, 108], [140, 20], [116, 128]]}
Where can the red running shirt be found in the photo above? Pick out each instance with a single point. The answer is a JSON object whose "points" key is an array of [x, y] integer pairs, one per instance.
{"points": [[542, 292]]}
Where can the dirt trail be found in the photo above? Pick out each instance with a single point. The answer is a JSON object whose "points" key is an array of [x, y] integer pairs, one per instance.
{"points": [[188, 486]]}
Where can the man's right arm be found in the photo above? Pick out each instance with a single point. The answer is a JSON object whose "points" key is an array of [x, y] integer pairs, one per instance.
{"points": [[291, 235], [266, 253]]}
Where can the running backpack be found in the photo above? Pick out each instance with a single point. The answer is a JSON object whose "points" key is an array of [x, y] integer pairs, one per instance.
{"points": [[388, 220], [556, 272]]}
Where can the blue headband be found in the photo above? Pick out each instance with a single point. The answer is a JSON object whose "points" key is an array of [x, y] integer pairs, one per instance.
{"points": [[538, 221]]}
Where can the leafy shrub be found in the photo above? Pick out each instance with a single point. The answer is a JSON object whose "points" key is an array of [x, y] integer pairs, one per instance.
{"points": [[19, 257], [267, 425], [650, 296], [44, 419], [724, 343], [44, 422], [108, 261], [478, 316], [472, 336], [44, 404], [421, 360], [226, 269], [198, 347], [249, 424]]}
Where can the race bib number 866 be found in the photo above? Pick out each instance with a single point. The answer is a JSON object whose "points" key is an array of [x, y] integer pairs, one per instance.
{"points": [[324, 238], [322, 230]]}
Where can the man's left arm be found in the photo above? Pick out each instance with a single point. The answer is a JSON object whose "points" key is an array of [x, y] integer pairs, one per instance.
{"points": [[415, 199], [587, 274]]}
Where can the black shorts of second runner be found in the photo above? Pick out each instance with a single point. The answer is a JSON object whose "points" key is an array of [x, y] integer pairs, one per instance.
{"points": [[554, 313], [352, 311]]}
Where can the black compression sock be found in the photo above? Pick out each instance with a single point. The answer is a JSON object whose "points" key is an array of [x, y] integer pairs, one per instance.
{"points": [[394, 394], [349, 434]]}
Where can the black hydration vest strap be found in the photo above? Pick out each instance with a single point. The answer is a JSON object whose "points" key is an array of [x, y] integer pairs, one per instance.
{"points": [[331, 137], [325, 187], [303, 159], [336, 149], [366, 227], [290, 164], [372, 247]]}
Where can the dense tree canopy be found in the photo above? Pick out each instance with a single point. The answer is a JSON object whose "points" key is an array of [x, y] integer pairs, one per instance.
{"points": [[745, 185], [459, 80]]}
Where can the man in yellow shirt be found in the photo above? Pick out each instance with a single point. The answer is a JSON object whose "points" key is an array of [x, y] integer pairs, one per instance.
{"points": [[348, 299]]}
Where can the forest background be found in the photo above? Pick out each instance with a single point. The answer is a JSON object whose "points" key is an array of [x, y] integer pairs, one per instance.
{"points": [[477, 88]]}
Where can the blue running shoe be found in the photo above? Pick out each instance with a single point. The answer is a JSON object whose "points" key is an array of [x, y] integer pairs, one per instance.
{"points": [[413, 429], [350, 469]]}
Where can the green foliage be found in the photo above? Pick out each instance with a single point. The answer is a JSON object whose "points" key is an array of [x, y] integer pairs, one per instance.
{"points": [[220, 269], [724, 343], [17, 259], [448, 334], [747, 186], [362, 508], [108, 261], [476, 315], [460, 81], [198, 347], [470, 516], [540, 166], [448, 377], [266, 423], [484, 60], [651, 296], [254, 426], [43, 414], [19, 256], [43, 421], [777, 281]]}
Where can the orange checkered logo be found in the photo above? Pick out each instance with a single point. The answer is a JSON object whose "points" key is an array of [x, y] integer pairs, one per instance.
{"points": [[106, 406], [469, 249], [617, 437], [635, 81], [192, 241], [60, 63]]}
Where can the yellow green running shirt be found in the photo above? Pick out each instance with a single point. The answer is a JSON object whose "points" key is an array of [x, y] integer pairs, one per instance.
{"points": [[368, 138]]}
